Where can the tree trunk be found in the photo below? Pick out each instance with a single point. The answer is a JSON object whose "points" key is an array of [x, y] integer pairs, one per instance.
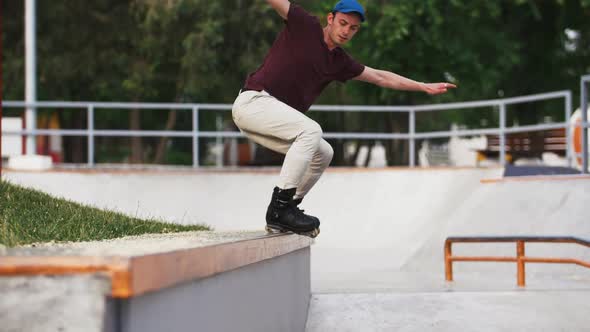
{"points": [[389, 143], [161, 149], [360, 142], [339, 146], [136, 147], [397, 145], [370, 145]]}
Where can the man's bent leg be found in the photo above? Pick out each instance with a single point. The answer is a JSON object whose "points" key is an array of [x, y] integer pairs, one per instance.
{"points": [[321, 160], [276, 125]]}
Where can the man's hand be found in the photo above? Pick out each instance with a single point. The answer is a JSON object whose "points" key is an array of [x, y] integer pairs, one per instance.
{"points": [[437, 88]]}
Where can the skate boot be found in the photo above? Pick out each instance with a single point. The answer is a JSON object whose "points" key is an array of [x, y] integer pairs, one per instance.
{"points": [[283, 216], [298, 201]]}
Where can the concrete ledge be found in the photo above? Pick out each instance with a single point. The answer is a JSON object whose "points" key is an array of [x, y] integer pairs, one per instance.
{"points": [[539, 178], [136, 275], [30, 163], [53, 303], [256, 283], [270, 295], [189, 170]]}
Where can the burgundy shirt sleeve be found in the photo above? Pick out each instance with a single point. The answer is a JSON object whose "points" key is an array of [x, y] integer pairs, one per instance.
{"points": [[350, 70], [299, 21]]}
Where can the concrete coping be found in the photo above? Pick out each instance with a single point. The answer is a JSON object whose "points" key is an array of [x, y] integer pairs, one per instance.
{"points": [[138, 273], [179, 170], [537, 178]]}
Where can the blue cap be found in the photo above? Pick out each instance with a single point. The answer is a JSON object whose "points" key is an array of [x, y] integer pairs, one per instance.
{"points": [[350, 6]]}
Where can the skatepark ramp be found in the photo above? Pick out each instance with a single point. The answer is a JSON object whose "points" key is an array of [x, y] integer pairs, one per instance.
{"points": [[386, 272], [378, 264], [190, 282]]}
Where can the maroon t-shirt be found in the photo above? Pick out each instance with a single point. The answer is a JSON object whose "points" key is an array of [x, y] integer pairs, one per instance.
{"points": [[299, 65]]}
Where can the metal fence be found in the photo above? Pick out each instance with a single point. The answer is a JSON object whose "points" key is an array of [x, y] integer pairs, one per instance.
{"points": [[584, 107], [412, 136]]}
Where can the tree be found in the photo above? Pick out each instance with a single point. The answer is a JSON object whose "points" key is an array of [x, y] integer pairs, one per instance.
{"points": [[201, 51]]}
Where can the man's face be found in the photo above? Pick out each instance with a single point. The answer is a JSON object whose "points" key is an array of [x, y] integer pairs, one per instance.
{"points": [[343, 26]]}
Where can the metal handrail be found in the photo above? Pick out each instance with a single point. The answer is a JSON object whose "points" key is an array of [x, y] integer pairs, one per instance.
{"points": [[520, 259], [412, 135], [338, 108], [585, 125]]}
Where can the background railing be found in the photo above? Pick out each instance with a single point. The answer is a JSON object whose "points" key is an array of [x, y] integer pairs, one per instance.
{"points": [[412, 136], [584, 81], [520, 258]]}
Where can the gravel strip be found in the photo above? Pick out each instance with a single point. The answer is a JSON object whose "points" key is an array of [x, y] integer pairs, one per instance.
{"points": [[132, 245]]}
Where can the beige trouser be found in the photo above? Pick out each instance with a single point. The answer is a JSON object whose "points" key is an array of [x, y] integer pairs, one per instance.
{"points": [[279, 127]]}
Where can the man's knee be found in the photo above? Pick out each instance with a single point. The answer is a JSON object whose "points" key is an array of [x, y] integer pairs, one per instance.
{"points": [[327, 152], [313, 134]]}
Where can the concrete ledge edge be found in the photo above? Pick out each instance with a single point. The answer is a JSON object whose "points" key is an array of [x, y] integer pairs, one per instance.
{"points": [[537, 178], [135, 275]]}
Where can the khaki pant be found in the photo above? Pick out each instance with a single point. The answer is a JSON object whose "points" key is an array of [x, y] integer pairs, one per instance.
{"points": [[279, 127]]}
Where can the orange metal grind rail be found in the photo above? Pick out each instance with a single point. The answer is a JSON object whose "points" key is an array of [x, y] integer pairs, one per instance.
{"points": [[520, 259]]}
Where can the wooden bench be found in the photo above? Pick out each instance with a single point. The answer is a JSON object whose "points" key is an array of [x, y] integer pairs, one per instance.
{"points": [[525, 145]]}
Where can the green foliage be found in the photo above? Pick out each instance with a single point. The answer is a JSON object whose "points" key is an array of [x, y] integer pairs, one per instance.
{"points": [[201, 51]]}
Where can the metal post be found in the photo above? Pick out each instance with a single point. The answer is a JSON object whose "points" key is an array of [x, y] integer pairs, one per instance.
{"points": [[568, 130], [412, 141], [520, 263], [584, 109], [24, 136], [90, 121], [195, 137], [1, 92], [503, 134], [30, 74], [448, 261], [219, 141]]}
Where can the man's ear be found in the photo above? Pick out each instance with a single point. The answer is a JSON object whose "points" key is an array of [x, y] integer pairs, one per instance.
{"points": [[330, 18]]}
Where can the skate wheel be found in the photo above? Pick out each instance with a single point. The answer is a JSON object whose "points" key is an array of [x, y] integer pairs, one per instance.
{"points": [[313, 234], [271, 230]]}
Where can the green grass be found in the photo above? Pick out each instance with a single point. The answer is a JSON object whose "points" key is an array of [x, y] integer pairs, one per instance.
{"points": [[29, 216]]}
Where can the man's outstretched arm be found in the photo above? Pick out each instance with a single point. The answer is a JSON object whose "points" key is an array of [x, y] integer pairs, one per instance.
{"points": [[386, 79], [281, 6]]}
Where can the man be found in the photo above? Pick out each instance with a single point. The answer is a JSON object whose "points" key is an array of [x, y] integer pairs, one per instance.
{"points": [[270, 108]]}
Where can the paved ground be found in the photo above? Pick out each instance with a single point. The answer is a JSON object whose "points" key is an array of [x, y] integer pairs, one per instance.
{"points": [[451, 311], [378, 263]]}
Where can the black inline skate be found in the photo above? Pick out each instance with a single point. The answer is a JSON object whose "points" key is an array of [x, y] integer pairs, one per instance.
{"points": [[283, 215], [298, 201]]}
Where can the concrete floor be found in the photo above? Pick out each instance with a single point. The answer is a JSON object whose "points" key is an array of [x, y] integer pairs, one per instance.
{"points": [[450, 311], [378, 263]]}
